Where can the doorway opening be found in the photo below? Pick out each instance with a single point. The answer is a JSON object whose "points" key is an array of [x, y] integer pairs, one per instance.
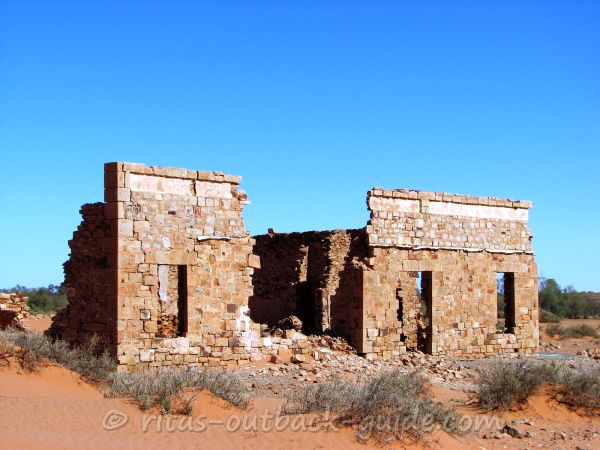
{"points": [[425, 320], [505, 302], [173, 301]]}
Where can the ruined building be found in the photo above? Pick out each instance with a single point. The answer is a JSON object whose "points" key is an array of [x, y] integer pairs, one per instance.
{"points": [[165, 273]]}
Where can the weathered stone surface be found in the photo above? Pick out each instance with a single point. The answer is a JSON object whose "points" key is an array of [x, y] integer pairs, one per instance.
{"points": [[16, 302], [167, 256], [362, 284], [166, 274]]}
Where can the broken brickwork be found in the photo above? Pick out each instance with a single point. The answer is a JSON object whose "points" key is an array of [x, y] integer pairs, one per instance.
{"points": [[313, 275], [165, 273], [456, 245], [13, 309], [16, 302], [90, 282]]}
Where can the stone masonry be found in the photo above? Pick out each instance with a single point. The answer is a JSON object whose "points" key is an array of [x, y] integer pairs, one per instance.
{"points": [[455, 244], [165, 273], [15, 302], [13, 309], [316, 276], [161, 271]]}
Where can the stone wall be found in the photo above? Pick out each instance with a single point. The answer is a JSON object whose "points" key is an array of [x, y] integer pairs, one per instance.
{"points": [[313, 275], [161, 270], [166, 274], [416, 219], [458, 244], [13, 309], [14, 301], [183, 251], [90, 282], [464, 300]]}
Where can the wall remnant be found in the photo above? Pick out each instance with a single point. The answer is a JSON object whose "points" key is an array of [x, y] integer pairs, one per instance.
{"points": [[13, 309], [420, 276], [166, 274], [314, 275], [161, 270]]}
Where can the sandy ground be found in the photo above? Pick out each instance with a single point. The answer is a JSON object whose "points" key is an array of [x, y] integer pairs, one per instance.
{"points": [[54, 409], [39, 324], [570, 346]]}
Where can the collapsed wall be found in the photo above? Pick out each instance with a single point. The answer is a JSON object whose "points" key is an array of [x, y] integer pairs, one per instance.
{"points": [[90, 283], [314, 275], [13, 309], [165, 273], [422, 275], [14, 301]]}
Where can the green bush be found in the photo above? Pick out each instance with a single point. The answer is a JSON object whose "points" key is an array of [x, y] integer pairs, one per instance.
{"points": [[43, 300], [390, 406], [506, 384]]}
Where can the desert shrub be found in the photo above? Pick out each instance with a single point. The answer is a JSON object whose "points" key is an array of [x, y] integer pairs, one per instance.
{"points": [[390, 406], [167, 387], [548, 317], [576, 331], [7, 350], [31, 349], [42, 301], [553, 329], [506, 384], [580, 389]]}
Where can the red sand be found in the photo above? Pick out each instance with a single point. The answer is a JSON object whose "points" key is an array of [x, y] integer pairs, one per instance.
{"points": [[54, 409]]}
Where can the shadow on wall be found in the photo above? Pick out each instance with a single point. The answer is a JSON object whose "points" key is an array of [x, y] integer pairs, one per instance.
{"points": [[314, 275]]}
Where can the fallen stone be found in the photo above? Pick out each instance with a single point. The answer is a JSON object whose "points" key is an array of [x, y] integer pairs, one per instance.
{"points": [[297, 359], [512, 431]]}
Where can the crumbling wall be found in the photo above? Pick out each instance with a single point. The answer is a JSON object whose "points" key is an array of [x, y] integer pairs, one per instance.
{"points": [[90, 282], [314, 275], [463, 242], [166, 274], [13, 309], [15, 301]]}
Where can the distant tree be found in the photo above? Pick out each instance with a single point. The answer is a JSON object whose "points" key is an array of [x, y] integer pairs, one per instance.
{"points": [[567, 302]]}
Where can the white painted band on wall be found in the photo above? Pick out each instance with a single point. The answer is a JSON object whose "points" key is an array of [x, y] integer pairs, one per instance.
{"points": [[448, 209], [160, 185], [480, 211], [179, 186], [394, 204]]}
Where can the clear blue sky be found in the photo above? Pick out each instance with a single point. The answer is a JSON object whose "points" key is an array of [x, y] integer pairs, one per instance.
{"points": [[312, 102]]}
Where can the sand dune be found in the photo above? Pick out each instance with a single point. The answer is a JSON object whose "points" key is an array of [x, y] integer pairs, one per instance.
{"points": [[54, 409]]}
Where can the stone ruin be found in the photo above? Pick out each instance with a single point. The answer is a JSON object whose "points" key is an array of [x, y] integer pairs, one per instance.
{"points": [[165, 273], [13, 309]]}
